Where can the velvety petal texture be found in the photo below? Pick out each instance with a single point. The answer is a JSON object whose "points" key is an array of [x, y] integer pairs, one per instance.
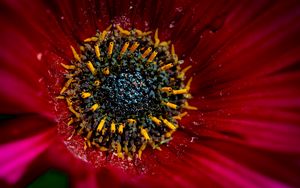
{"points": [[246, 74]]}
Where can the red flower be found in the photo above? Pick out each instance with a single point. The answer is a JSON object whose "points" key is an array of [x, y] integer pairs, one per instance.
{"points": [[245, 58]]}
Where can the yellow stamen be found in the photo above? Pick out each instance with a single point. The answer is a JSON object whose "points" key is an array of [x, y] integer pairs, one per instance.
{"points": [[102, 148], [71, 121], [188, 85], [166, 89], [69, 67], [88, 136], [110, 48], [120, 129], [188, 107], [108, 28], [97, 82], [166, 67], [85, 94], [146, 53], [169, 134], [182, 73], [125, 46], [94, 107], [173, 50], [106, 71], [152, 56], [142, 148], [91, 39], [74, 112], [169, 124], [60, 97], [134, 47], [67, 84], [82, 48], [103, 35], [131, 121], [91, 67], [155, 120], [101, 124], [171, 105], [164, 43], [68, 102], [113, 127], [75, 54], [180, 116], [180, 91], [141, 33], [97, 51], [119, 150], [156, 39], [145, 134], [123, 31]]}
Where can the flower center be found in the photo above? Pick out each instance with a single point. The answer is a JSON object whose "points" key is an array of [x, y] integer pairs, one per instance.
{"points": [[125, 91]]}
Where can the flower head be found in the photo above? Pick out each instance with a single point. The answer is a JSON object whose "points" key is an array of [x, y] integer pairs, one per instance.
{"points": [[244, 131]]}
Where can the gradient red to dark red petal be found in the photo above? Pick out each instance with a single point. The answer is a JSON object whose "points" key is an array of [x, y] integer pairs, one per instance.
{"points": [[245, 58]]}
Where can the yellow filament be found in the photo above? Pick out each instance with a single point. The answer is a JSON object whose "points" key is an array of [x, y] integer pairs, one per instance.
{"points": [[120, 129], [166, 89], [179, 116], [94, 107], [134, 47], [108, 28], [169, 124], [123, 31], [155, 120], [156, 39], [97, 82], [69, 67], [147, 52], [113, 127], [67, 84], [142, 148], [106, 71], [125, 46], [85, 94], [101, 124], [91, 39], [152, 56], [103, 35], [188, 107], [119, 150], [166, 67], [164, 43], [91, 67], [74, 112], [102, 148], [110, 48], [71, 121], [173, 50], [60, 97], [169, 134], [188, 85], [171, 105], [131, 121], [75, 54], [68, 102], [97, 51], [182, 73], [81, 48], [180, 91], [145, 134]]}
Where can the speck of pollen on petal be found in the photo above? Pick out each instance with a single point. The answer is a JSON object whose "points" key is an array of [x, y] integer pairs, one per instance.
{"points": [[125, 91]]}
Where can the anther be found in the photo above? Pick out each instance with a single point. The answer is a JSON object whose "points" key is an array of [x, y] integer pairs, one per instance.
{"points": [[145, 134], [156, 39], [110, 48], [67, 84], [94, 107], [124, 48], [182, 73], [85, 95], [155, 120], [123, 31], [119, 150], [74, 112], [180, 116], [113, 127], [169, 124], [69, 67], [97, 51], [97, 82], [188, 107], [171, 105], [166, 67], [121, 127], [101, 124], [105, 71], [166, 89], [75, 54], [71, 121], [91, 39], [188, 85], [131, 121], [142, 148], [180, 91], [152, 56], [134, 47], [141, 33], [91, 67]]}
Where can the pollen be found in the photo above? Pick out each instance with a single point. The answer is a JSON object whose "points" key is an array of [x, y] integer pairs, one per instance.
{"points": [[125, 91]]}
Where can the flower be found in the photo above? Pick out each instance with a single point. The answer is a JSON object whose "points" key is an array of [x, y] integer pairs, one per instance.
{"points": [[245, 58]]}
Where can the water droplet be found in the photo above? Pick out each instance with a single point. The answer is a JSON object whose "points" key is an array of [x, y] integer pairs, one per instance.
{"points": [[39, 56]]}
